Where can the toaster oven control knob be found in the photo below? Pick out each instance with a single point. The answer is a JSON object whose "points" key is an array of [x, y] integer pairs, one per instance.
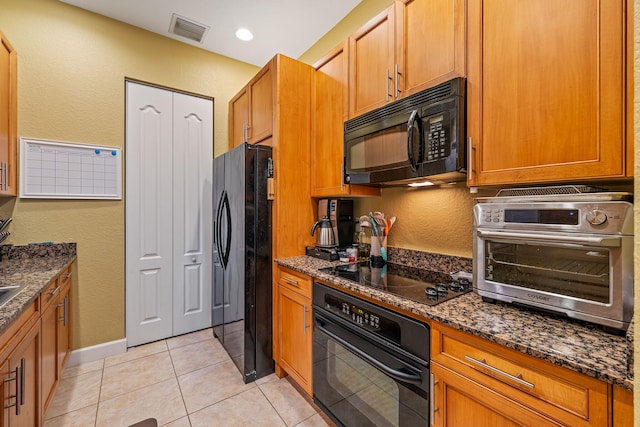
{"points": [[596, 217]]}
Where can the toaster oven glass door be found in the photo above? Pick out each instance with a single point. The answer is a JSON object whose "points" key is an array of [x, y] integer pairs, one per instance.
{"points": [[576, 271]]}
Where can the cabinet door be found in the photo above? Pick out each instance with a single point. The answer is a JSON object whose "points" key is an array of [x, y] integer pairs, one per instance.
{"points": [[63, 344], [238, 119], [8, 386], [331, 106], [371, 64], [431, 43], [24, 365], [546, 90], [49, 354], [261, 105], [458, 401], [295, 336], [622, 407], [8, 117]]}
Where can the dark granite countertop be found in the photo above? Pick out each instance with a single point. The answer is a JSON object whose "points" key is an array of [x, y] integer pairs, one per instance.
{"points": [[574, 345], [35, 266]]}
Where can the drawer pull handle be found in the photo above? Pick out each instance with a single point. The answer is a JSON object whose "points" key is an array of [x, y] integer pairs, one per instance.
{"points": [[304, 321], [432, 401], [19, 378], [500, 372], [68, 275], [54, 291], [65, 305], [291, 281]]}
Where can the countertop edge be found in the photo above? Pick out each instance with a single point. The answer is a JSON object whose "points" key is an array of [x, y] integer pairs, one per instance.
{"points": [[36, 283]]}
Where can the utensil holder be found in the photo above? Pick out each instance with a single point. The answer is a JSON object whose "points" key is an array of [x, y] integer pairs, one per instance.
{"points": [[378, 256]]}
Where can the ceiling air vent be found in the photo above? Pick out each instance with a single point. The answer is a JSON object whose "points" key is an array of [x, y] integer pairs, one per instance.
{"points": [[187, 28]]}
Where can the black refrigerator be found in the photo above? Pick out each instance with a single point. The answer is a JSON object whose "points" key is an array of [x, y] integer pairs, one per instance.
{"points": [[242, 261]]}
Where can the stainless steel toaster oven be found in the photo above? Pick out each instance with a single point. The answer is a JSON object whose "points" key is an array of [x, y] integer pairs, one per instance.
{"points": [[570, 254]]}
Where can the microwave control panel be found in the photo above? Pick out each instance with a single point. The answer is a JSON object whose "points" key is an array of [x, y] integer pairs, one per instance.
{"points": [[437, 133]]}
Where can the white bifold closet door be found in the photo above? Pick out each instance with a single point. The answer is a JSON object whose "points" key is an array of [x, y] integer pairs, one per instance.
{"points": [[168, 224]]}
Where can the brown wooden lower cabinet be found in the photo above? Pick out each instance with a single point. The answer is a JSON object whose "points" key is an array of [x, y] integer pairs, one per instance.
{"points": [[56, 330], [505, 387], [458, 401], [622, 407], [293, 327], [23, 403], [33, 351], [63, 328], [49, 354]]}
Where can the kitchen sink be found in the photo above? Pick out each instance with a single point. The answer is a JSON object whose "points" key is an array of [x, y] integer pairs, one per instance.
{"points": [[8, 292]]}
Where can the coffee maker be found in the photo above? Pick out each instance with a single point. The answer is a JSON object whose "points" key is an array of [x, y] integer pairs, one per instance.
{"points": [[340, 213]]}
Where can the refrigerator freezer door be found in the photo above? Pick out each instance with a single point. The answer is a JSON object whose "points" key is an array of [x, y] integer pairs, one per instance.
{"points": [[242, 274]]}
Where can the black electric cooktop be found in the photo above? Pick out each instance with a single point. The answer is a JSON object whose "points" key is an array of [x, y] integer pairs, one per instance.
{"points": [[425, 286]]}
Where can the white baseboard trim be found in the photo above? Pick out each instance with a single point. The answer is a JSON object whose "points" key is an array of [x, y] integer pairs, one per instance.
{"points": [[97, 352]]}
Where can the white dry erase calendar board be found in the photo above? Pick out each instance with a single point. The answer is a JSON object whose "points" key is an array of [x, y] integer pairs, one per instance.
{"points": [[61, 170]]}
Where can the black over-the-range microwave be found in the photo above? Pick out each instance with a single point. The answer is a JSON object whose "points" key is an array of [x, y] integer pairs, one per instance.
{"points": [[420, 137]]}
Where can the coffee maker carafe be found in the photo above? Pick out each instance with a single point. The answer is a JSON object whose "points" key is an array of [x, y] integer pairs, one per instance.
{"points": [[325, 237], [340, 214]]}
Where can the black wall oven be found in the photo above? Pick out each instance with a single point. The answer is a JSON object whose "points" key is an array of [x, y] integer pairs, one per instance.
{"points": [[370, 365]]}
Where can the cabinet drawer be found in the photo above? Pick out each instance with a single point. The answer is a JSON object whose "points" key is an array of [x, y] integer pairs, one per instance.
{"points": [[555, 391], [297, 282]]}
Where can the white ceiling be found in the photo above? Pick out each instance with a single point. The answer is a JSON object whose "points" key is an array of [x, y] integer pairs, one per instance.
{"points": [[289, 27]]}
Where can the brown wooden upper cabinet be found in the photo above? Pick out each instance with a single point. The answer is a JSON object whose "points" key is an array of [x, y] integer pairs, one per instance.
{"points": [[547, 92], [330, 103], [408, 47], [251, 110], [8, 117]]}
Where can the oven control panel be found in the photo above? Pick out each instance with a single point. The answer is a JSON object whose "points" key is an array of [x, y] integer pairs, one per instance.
{"points": [[490, 215], [360, 316], [614, 217]]}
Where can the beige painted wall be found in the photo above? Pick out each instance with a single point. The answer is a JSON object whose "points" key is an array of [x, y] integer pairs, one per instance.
{"points": [[71, 70], [429, 219]]}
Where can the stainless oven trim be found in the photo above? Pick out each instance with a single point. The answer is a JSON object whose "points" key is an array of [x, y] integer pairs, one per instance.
{"points": [[620, 221], [566, 240], [617, 314]]}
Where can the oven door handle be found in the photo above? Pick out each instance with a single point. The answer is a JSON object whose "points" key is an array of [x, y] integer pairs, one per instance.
{"points": [[606, 241], [393, 373]]}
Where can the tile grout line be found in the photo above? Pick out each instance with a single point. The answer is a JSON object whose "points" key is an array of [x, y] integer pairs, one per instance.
{"points": [[270, 403], [179, 387], [104, 362]]}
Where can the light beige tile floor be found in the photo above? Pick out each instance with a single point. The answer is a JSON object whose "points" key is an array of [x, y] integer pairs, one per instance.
{"points": [[186, 381]]}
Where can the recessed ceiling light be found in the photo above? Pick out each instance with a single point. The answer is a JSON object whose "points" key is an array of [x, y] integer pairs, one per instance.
{"points": [[244, 34]]}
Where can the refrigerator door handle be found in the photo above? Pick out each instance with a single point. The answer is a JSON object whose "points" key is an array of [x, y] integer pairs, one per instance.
{"points": [[217, 232], [227, 250]]}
